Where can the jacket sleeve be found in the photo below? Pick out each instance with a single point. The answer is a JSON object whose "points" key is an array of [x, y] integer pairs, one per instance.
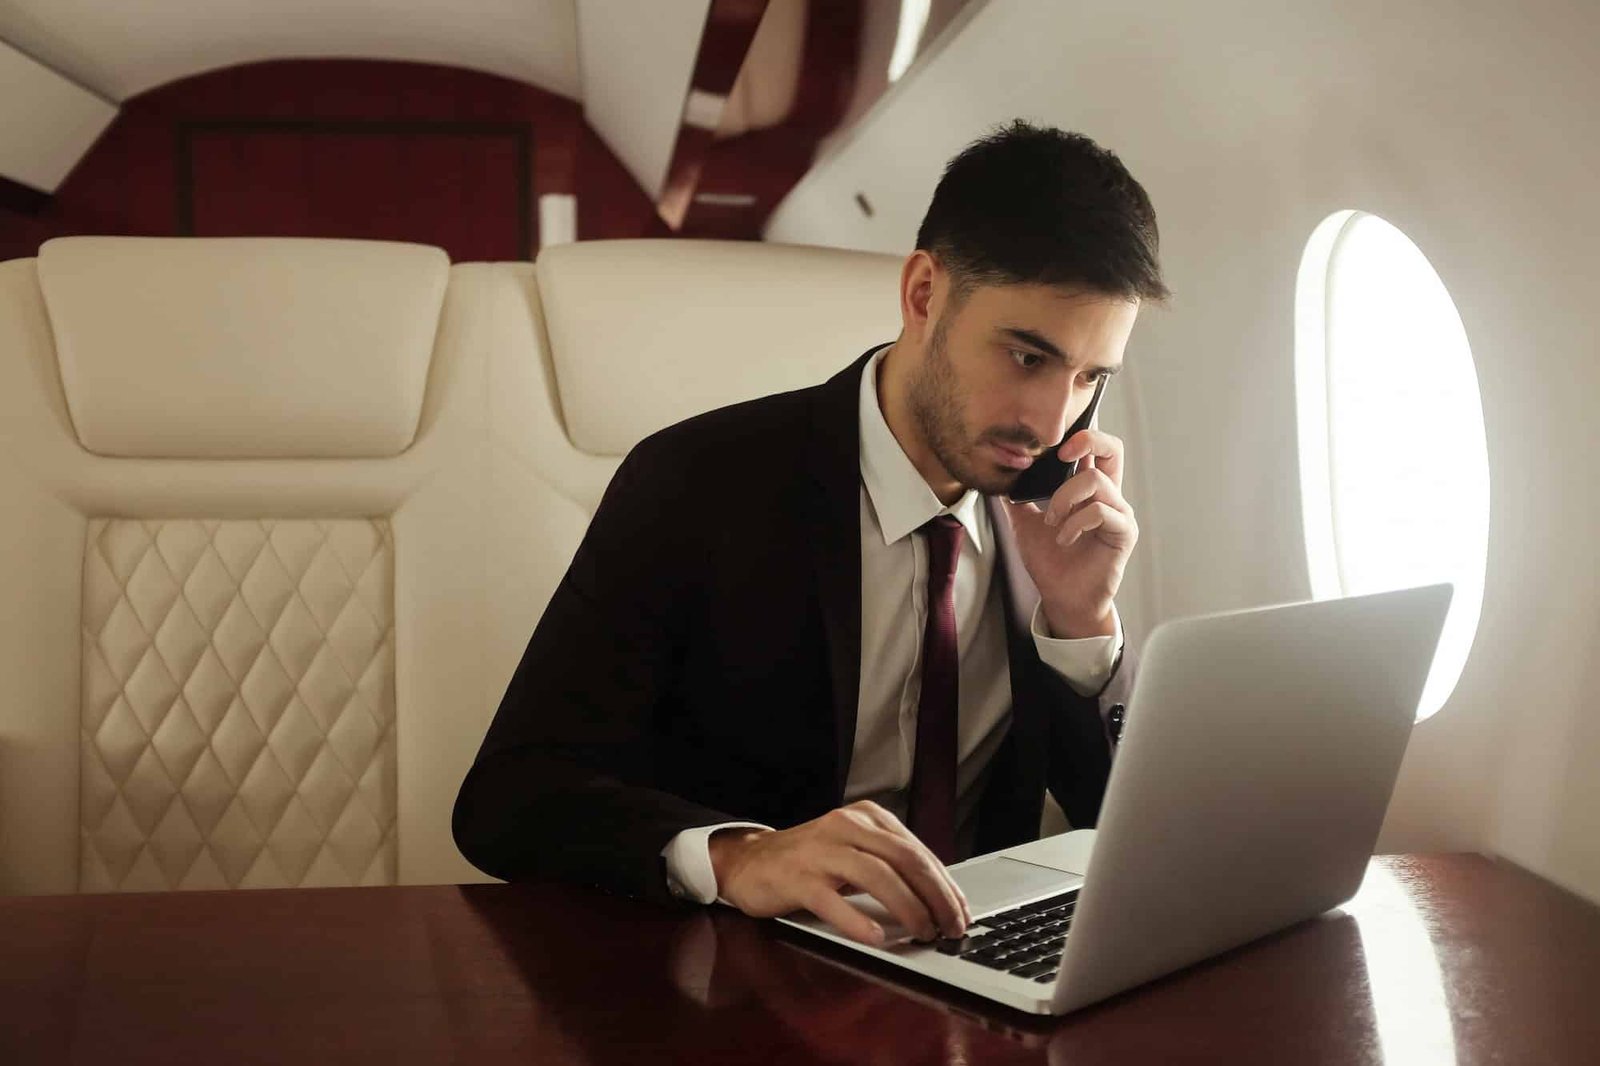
{"points": [[1083, 738], [561, 787]]}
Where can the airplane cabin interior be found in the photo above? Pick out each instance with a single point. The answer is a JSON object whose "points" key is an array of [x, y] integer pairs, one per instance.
{"points": [[416, 441]]}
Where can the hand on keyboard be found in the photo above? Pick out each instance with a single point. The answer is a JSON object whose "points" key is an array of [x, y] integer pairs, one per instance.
{"points": [[861, 847]]}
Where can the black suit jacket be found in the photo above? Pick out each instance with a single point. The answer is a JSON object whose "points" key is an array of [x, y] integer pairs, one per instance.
{"points": [[699, 662]]}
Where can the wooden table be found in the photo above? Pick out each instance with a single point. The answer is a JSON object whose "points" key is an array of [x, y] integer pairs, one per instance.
{"points": [[1440, 959]]}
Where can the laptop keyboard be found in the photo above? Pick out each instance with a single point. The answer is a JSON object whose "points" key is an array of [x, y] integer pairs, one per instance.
{"points": [[1025, 941]]}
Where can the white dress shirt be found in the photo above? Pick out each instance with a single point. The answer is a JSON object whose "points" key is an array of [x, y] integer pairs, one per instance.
{"points": [[895, 502]]}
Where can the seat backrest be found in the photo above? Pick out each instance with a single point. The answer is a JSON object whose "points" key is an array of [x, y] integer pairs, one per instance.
{"points": [[645, 333], [281, 515]]}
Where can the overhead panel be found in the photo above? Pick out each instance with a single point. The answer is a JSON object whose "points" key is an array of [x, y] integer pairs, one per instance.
{"points": [[637, 61], [46, 121]]}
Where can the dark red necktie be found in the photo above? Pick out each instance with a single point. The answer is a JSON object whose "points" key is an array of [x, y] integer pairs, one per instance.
{"points": [[931, 813]]}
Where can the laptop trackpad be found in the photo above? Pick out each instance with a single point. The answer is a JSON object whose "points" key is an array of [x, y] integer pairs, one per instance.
{"points": [[993, 884]]}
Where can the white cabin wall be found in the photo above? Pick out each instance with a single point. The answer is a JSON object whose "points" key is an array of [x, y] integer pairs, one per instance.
{"points": [[1470, 126]]}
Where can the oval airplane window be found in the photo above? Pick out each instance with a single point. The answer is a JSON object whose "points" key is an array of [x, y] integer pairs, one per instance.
{"points": [[1394, 467]]}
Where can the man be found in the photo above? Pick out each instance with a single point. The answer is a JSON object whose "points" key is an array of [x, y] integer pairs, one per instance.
{"points": [[807, 647]]}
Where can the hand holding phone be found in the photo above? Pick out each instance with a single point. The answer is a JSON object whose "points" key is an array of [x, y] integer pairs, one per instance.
{"points": [[1048, 473]]}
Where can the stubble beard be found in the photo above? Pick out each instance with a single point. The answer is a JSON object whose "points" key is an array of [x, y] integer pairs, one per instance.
{"points": [[940, 409]]}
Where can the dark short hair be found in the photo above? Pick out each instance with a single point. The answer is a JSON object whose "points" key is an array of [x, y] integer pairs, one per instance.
{"points": [[1038, 205]]}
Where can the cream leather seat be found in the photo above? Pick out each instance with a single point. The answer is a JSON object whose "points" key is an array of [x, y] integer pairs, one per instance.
{"points": [[280, 515]]}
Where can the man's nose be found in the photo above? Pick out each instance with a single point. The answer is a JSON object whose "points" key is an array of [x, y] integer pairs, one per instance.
{"points": [[1063, 413]]}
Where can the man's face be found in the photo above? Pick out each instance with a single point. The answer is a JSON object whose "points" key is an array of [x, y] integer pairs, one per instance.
{"points": [[1008, 370]]}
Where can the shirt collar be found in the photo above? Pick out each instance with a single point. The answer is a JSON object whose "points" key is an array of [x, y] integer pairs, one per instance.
{"points": [[902, 499]]}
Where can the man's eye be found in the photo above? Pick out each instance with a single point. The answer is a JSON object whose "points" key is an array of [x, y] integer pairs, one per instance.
{"points": [[1026, 360]]}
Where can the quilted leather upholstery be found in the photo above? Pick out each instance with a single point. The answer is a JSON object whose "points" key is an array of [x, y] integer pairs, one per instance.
{"points": [[238, 704]]}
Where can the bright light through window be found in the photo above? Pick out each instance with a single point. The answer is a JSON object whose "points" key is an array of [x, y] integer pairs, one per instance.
{"points": [[1394, 469]]}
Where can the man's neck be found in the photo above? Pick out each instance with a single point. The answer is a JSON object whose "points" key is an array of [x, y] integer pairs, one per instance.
{"points": [[894, 400]]}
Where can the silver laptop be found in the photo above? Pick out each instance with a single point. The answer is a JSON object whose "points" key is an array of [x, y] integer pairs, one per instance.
{"points": [[1259, 756]]}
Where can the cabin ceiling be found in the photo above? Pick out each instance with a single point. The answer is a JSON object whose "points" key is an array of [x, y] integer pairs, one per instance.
{"points": [[660, 82], [629, 65], [118, 50]]}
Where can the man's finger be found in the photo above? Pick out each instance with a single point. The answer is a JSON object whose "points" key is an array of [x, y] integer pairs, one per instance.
{"points": [[1079, 489], [921, 866], [924, 863], [922, 871], [832, 908], [1110, 524], [880, 881], [1104, 449]]}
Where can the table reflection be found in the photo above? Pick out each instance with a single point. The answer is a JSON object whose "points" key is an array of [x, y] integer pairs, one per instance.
{"points": [[610, 980], [719, 987], [1410, 1008], [838, 1013]]}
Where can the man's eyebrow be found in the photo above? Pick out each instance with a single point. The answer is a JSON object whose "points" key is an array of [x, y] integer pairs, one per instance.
{"points": [[1038, 340]]}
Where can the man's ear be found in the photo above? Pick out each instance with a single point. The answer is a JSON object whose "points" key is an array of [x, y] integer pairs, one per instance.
{"points": [[920, 291]]}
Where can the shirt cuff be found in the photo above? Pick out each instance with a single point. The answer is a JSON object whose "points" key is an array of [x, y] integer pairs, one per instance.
{"points": [[688, 855], [1084, 663]]}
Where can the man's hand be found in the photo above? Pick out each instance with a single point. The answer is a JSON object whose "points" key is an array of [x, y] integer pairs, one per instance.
{"points": [[1077, 547], [861, 847]]}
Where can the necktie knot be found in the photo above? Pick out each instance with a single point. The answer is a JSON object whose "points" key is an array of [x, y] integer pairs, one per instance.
{"points": [[945, 535]]}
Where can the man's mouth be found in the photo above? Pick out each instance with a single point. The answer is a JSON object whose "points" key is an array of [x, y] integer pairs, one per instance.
{"points": [[1012, 456]]}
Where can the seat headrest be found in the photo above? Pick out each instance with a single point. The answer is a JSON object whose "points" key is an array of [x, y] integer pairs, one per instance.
{"points": [[645, 333], [249, 347]]}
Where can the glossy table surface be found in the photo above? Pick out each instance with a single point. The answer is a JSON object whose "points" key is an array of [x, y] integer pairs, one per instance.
{"points": [[1439, 959]]}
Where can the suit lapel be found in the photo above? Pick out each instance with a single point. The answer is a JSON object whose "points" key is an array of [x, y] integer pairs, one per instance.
{"points": [[834, 516]]}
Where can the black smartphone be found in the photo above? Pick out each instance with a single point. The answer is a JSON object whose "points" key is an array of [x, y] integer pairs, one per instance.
{"points": [[1048, 473]]}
